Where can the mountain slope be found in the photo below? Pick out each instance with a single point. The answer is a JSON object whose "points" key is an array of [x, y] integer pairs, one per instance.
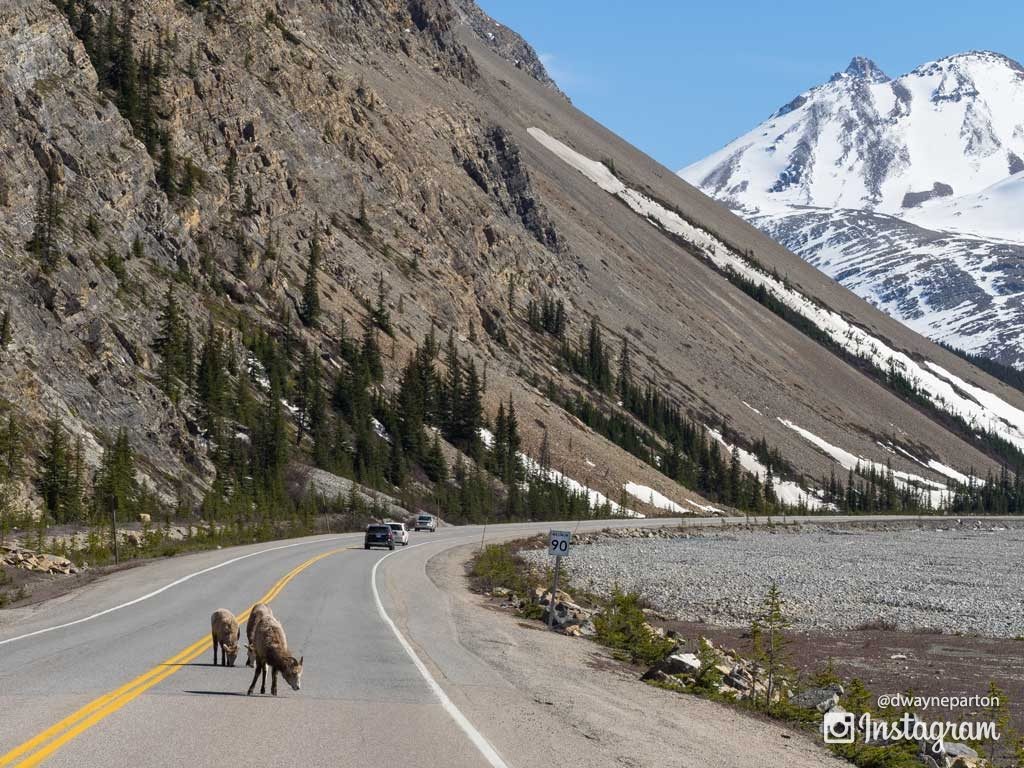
{"points": [[413, 156], [904, 190]]}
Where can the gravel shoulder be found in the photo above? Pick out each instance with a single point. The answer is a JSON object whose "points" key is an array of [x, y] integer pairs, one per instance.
{"points": [[568, 695]]}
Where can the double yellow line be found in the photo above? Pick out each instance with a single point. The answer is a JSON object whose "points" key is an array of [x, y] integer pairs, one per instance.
{"points": [[41, 746]]}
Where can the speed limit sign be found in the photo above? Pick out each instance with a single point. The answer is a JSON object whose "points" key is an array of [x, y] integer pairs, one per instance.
{"points": [[558, 543]]}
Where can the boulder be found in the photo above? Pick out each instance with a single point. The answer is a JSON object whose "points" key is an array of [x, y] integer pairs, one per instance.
{"points": [[821, 699], [674, 664]]}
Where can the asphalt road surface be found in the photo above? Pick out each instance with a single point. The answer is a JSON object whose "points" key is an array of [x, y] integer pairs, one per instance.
{"points": [[120, 672]]}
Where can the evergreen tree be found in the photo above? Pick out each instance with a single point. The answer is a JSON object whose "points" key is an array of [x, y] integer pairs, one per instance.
{"points": [[6, 331], [381, 314], [434, 463], [172, 344], [370, 354], [231, 168], [165, 175], [249, 206], [271, 441], [212, 381], [11, 450], [53, 462], [770, 644], [116, 489], [47, 221], [309, 310], [624, 383], [189, 178], [74, 496]]}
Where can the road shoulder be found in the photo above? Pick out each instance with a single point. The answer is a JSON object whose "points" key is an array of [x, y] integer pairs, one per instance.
{"points": [[567, 696]]}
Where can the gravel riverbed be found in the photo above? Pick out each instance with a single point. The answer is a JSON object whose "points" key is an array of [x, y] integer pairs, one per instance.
{"points": [[955, 581]]}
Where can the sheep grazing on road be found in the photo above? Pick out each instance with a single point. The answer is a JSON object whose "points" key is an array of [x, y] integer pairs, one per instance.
{"points": [[256, 615], [226, 634], [271, 649]]}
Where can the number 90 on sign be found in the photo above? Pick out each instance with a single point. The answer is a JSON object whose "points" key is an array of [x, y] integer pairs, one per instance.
{"points": [[558, 543]]}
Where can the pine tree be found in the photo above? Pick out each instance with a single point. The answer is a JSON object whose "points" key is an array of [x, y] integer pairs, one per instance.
{"points": [[172, 347], [212, 381], [370, 354], [624, 384], [116, 489], [309, 311], [11, 450], [514, 468], [47, 221], [249, 206], [545, 454], [189, 177], [53, 462], [165, 175], [770, 644], [231, 168], [6, 331], [381, 314], [74, 495], [434, 463]]}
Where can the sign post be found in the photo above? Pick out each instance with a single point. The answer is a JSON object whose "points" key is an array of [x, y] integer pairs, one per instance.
{"points": [[558, 547]]}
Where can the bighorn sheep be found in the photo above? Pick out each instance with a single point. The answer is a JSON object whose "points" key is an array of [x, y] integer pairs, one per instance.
{"points": [[271, 649], [256, 615], [225, 633]]}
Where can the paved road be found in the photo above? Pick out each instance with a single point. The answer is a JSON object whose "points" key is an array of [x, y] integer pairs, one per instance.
{"points": [[386, 682]]}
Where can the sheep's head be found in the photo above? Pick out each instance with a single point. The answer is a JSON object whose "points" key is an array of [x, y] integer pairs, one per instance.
{"points": [[231, 651], [291, 670]]}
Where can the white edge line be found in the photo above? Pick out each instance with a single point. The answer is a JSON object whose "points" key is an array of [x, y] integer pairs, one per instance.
{"points": [[162, 589], [479, 741]]}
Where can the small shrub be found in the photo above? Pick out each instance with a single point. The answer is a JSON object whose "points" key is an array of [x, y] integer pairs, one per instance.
{"points": [[622, 626]]}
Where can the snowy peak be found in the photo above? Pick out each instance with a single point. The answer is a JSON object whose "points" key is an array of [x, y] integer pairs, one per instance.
{"points": [[949, 128], [864, 68], [906, 190]]}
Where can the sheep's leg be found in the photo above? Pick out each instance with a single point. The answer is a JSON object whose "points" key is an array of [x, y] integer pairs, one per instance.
{"points": [[263, 681], [273, 682], [214, 635], [256, 674]]}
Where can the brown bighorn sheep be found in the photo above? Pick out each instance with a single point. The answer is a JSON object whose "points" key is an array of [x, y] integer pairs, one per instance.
{"points": [[256, 615], [225, 633], [271, 649]]}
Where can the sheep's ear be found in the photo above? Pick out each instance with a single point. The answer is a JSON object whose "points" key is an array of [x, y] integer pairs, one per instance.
{"points": [[300, 660]]}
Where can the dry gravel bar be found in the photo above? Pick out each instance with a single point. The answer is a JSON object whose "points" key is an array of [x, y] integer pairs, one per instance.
{"points": [[958, 580]]}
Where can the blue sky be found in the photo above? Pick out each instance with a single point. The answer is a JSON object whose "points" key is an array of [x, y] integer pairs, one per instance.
{"points": [[681, 79]]}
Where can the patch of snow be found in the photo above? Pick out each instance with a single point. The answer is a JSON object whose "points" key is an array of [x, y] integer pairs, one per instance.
{"points": [[596, 498], [751, 407], [786, 491], [654, 498], [935, 493]]}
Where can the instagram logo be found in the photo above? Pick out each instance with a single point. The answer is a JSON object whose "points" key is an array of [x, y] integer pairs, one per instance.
{"points": [[839, 727]]}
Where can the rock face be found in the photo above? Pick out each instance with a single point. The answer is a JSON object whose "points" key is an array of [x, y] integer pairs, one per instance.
{"points": [[395, 135], [904, 190], [505, 42]]}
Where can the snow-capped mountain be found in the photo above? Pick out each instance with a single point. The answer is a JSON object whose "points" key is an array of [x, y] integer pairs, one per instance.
{"points": [[907, 190]]}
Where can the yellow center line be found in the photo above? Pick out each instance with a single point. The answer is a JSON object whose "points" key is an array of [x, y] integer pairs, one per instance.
{"points": [[105, 705]]}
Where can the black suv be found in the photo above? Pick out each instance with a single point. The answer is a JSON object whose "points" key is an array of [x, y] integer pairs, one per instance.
{"points": [[379, 535]]}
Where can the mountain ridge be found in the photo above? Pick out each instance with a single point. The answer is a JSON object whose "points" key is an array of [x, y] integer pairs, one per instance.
{"points": [[929, 157]]}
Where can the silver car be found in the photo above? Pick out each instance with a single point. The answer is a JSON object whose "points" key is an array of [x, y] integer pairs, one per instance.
{"points": [[426, 523], [400, 532]]}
